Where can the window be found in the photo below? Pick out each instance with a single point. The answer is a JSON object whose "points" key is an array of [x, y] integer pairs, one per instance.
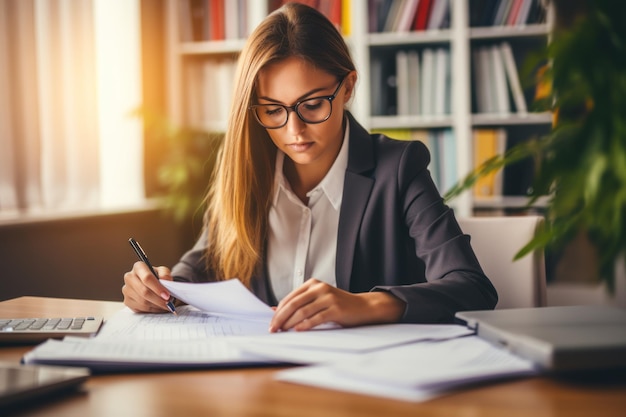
{"points": [[71, 76]]}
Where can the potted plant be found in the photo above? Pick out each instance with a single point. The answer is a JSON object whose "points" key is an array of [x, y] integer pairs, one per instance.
{"points": [[184, 170], [581, 163]]}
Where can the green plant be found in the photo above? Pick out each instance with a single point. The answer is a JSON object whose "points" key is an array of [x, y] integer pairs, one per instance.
{"points": [[581, 163], [185, 168]]}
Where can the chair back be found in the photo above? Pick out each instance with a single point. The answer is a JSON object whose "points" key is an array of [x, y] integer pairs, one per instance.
{"points": [[495, 241]]}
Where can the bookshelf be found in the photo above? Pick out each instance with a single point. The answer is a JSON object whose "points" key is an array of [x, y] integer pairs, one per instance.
{"points": [[449, 47]]}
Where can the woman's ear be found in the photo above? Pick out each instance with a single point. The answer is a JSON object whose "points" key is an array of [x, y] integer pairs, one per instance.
{"points": [[349, 85]]}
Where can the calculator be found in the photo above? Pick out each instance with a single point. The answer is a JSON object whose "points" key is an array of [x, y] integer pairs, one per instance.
{"points": [[35, 330]]}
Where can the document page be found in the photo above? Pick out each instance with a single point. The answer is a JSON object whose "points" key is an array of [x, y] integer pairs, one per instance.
{"points": [[108, 355], [129, 341], [326, 346], [229, 297], [188, 324], [417, 371]]}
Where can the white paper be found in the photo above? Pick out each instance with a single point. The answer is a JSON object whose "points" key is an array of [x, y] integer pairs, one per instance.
{"points": [[325, 346], [325, 377], [102, 354], [432, 364], [188, 324], [229, 297], [415, 372]]}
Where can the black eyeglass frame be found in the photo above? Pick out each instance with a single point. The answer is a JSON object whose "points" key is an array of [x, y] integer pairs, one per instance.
{"points": [[295, 107]]}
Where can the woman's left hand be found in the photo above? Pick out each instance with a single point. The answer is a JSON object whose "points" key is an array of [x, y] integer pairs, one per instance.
{"points": [[316, 302]]}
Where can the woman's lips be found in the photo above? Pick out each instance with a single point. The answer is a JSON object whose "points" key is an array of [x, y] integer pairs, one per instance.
{"points": [[300, 146]]}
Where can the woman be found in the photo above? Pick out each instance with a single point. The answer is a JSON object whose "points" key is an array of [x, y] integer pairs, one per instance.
{"points": [[308, 209]]}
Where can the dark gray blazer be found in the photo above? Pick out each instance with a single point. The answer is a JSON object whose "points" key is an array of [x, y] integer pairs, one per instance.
{"points": [[395, 234]]}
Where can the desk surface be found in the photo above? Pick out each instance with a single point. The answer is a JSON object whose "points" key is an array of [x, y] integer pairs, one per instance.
{"points": [[253, 392]]}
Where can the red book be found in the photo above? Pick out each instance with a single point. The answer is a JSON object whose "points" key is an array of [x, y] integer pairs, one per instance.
{"points": [[216, 16], [421, 16], [512, 19]]}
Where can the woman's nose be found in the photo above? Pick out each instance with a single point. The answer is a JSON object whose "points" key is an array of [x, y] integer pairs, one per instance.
{"points": [[295, 125]]}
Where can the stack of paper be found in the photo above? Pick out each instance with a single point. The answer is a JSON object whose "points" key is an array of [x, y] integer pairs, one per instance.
{"points": [[415, 372]]}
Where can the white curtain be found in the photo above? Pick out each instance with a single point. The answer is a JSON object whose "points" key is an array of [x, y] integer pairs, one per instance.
{"points": [[56, 107]]}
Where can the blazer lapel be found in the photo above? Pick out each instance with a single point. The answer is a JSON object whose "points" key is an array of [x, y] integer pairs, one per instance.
{"points": [[356, 192]]}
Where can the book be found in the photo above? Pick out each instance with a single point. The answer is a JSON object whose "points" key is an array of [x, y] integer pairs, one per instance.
{"points": [[438, 14], [231, 19], [522, 16], [415, 90], [379, 96], [346, 17], [447, 161], [488, 76], [393, 15], [185, 21], [478, 75], [382, 8], [502, 105], [407, 16], [242, 15], [487, 143], [427, 82], [513, 78], [502, 12], [216, 18], [402, 78], [514, 13], [441, 93], [422, 14]]}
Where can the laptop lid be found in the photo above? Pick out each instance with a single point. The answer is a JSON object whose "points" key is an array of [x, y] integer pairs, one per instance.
{"points": [[22, 383], [564, 338]]}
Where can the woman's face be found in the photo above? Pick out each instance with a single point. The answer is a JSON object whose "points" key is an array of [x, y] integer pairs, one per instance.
{"points": [[309, 146]]}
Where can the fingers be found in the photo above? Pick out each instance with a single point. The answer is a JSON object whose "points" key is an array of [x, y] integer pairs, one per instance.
{"points": [[305, 307], [316, 303], [142, 290]]}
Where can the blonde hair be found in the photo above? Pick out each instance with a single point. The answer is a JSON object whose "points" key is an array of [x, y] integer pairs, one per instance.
{"points": [[240, 194]]}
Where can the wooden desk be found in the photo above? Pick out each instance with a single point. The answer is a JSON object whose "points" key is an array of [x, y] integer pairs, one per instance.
{"points": [[253, 392]]}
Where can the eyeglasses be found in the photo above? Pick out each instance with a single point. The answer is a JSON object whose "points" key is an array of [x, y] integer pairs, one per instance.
{"points": [[312, 110]]}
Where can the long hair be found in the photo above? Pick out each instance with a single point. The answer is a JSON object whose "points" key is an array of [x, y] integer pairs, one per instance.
{"points": [[240, 195]]}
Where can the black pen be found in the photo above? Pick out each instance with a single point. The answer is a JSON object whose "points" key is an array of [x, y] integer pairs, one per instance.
{"points": [[144, 258]]}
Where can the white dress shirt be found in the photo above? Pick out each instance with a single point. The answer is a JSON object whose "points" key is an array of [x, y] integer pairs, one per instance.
{"points": [[302, 241]]}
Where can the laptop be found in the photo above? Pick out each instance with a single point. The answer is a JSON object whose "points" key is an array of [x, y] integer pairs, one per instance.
{"points": [[24, 383], [565, 338]]}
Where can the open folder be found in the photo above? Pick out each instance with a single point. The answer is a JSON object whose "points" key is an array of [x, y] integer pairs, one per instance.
{"points": [[211, 333]]}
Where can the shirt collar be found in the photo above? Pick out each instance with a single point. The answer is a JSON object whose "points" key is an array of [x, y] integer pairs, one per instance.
{"points": [[331, 185]]}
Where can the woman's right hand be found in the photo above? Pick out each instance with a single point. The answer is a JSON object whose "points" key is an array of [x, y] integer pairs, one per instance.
{"points": [[143, 293]]}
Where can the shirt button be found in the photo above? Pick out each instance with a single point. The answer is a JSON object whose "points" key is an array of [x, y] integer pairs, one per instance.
{"points": [[299, 272]]}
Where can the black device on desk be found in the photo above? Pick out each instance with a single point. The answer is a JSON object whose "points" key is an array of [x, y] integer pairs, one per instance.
{"points": [[35, 330], [21, 383]]}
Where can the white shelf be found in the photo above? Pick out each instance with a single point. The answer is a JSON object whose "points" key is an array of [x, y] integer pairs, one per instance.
{"points": [[511, 119], [409, 38], [460, 38], [509, 202], [410, 122], [508, 32], [231, 46]]}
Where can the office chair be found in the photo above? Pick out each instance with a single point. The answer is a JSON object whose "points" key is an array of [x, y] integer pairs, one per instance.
{"points": [[495, 241]]}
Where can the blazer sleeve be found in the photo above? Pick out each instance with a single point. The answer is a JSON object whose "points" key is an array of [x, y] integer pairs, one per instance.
{"points": [[191, 266], [454, 279]]}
